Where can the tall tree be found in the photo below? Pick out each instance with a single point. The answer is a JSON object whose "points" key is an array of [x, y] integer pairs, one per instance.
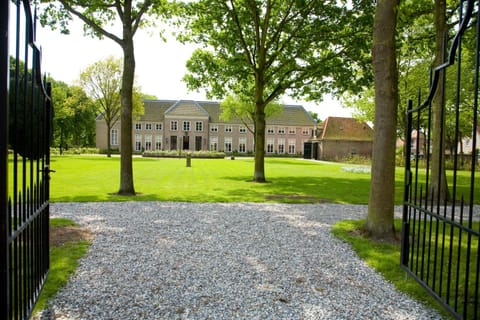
{"points": [[102, 82], [301, 48], [382, 188], [99, 16]]}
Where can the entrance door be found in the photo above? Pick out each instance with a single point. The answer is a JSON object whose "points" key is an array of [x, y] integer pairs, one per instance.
{"points": [[173, 143], [198, 143], [186, 143]]}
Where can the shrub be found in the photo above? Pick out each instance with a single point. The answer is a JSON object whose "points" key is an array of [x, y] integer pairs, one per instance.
{"points": [[183, 154]]}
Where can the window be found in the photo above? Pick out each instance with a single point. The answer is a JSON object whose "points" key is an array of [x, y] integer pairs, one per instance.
{"points": [[305, 131], [114, 137], [281, 146], [213, 143], [214, 129], [228, 144], [186, 125], [158, 126], [242, 129], [242, 145], [158, 142], [228, 128], [291, 146], [281, 130], [148, 126], [270, 130], [148, 142], [138, 142], [291, 130], [199, 126], [138, 126], [269, 145], [174, 125]]}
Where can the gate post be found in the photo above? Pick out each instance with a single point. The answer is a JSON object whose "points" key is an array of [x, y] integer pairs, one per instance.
{"points": [[4, 220]]}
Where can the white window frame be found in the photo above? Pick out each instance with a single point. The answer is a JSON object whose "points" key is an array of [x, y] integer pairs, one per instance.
{"points": [[148, 142], [174, 125], [158, 126], [291, 146], [214, 128], [199, 126], [281, 130], [138, 126], [186, 125], [114, 137], [270, 145], [213, 143], [158, 142], [270, 130], [242, 145], [292, 130], [228, 144], [281, 146], [242, 129], [148, 126], [138, 142], [305, 131], [228, 128]]}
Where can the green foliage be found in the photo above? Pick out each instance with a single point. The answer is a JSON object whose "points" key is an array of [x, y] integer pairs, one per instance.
{"points": [[310, 49], [74, 116], [243, 108]]}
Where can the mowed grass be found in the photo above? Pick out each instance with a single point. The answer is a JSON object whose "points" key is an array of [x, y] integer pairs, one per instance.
{"points": [[96, 178]]}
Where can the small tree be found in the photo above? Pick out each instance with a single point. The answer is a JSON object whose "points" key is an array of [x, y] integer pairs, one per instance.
{"points": [[102, 82]]}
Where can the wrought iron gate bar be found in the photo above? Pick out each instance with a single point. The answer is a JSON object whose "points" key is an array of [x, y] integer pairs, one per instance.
{"points": [[25, 114], [440, 247]]}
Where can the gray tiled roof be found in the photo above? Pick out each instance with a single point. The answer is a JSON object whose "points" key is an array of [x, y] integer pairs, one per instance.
{"points": [[155, 110]]}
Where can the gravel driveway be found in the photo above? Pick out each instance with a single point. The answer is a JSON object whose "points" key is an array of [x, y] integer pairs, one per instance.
{"points": [[161, 260]]}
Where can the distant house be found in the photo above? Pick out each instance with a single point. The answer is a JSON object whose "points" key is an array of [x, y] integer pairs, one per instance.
{"points": [[340, 138], [197, 126]]}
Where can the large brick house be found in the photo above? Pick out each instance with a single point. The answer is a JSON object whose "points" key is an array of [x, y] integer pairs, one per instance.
{"points": [[197, 126]]}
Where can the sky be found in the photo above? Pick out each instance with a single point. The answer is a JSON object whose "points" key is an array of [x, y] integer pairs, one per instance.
{"points": [[160, 65]]}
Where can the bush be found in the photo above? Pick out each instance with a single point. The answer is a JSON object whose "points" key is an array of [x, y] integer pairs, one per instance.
{"points": [[71, 151], [182, 154]]}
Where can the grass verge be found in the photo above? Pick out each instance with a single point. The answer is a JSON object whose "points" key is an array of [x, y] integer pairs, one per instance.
{"points": [[68, 244], [384, 257]]}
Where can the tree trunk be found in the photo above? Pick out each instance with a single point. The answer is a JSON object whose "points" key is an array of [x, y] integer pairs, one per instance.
{"points": [[126, 167], [259, 173], [438, 186], [382, 190]]}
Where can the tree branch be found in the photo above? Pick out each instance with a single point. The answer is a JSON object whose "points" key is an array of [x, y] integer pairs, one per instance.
{"points": [[91, 23]]}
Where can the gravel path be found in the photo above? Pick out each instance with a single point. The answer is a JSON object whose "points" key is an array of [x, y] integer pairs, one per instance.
{"points": [[161, 260]]}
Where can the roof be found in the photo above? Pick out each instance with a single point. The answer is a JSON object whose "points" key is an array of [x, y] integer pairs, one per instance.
{"points": [[156, 110], [338, 128]]}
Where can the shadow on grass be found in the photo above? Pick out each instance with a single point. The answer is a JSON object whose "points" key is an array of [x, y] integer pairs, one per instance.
{"points": [[305, 190]]}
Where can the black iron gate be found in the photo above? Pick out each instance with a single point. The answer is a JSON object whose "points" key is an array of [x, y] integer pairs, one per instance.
{"points": [[25, 118], [440, 236]]}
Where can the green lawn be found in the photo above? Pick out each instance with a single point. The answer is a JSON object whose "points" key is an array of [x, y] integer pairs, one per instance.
{"points": [[95, 178]]}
